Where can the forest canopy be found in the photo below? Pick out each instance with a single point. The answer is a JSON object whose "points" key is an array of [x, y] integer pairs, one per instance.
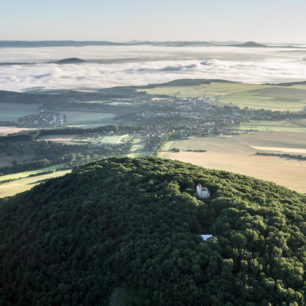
{"points": [[128, 230]]}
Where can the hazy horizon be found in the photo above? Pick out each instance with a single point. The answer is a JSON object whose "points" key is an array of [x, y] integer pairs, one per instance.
{"points": [[274, 21], [226, 42]]}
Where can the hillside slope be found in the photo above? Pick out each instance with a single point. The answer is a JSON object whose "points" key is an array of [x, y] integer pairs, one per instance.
{"points": [[133, 226]]}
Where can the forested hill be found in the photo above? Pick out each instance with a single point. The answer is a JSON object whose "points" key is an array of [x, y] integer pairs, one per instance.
{"points": [[127, 231]]}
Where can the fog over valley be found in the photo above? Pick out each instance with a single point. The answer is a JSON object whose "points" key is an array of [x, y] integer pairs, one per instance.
{"points": [[90, 67]]}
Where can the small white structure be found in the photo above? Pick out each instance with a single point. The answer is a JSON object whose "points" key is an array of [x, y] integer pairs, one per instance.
{"points": [[202, 192], [205, 237]]}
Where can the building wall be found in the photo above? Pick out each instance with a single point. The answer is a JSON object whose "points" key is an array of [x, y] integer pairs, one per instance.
{"points": [[202, 194]]}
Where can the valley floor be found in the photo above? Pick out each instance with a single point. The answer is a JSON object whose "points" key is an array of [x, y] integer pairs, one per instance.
{"points": [[238, 154]]}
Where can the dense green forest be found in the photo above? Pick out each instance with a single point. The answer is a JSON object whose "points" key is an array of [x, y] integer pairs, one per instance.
{"points": [[129, 230]]}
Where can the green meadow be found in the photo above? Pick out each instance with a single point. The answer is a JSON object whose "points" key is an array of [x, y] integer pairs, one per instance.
{"points": [[270, 97], [26, 183]]}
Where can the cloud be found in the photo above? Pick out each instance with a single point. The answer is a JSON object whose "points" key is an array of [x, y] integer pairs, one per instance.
{"points": [[143, 65]]}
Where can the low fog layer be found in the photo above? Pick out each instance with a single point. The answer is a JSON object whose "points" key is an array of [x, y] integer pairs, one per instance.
{"points": [[24, 69]]}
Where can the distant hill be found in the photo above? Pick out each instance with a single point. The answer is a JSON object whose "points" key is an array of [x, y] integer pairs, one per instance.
{"points": [[128, 231], [21, 97], [72, 43], [54, 43], [291, 83], [251, 44], [186, 82], [72, 60]]}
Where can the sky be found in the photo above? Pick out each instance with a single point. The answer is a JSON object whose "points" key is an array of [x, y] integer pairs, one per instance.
{"points": [[157, 20]]}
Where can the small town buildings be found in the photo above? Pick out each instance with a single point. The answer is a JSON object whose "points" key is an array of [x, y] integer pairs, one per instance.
{"points": [[202, 192], [206, 236]]}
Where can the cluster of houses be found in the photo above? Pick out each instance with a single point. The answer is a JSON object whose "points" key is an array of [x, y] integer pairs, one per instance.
{"points": [[44, 119]]}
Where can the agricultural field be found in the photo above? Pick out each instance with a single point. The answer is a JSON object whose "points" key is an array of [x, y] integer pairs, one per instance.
{"points": [[214, 89], [20, 175], [301, 122], [138, 144], [115, 139], [13, 111], [6, 130], [273, 98], [27, 183], [269, 97], [12, 184], [70, 139], [238, 154], [137, 140], [87, 119], [275, 126]]}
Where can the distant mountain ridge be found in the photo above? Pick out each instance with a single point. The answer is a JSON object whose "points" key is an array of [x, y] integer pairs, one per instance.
{"points": [[73, 43]]}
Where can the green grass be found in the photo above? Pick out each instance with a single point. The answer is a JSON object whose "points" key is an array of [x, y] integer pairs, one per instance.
{"points": [[273, 126], [167, 146], [258, 99], [13, 111], [207, 90], [254, 96], [74, 118], [21, 185], [115, 139], [20, 175], [138, 146]]}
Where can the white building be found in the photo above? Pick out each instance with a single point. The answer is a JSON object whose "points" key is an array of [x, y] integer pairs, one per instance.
{"points": [[206, 237], [202, 192]]}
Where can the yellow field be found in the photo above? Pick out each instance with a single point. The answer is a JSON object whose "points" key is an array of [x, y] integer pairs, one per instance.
{"points": [[20, 175], [237, 154], [6, 130], [21, 185], [59, 139], [283, 150]]}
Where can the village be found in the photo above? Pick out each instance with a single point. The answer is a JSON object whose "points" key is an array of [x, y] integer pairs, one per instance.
{"points": [[183, 117], [141, 126], [44, 119]]}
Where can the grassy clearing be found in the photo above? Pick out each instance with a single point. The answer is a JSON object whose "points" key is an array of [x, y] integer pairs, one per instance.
{"points": [[19, 175], [137, 149], [17, 186], [237, 154], [13, 111], [167, 146], [115, 139]]}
